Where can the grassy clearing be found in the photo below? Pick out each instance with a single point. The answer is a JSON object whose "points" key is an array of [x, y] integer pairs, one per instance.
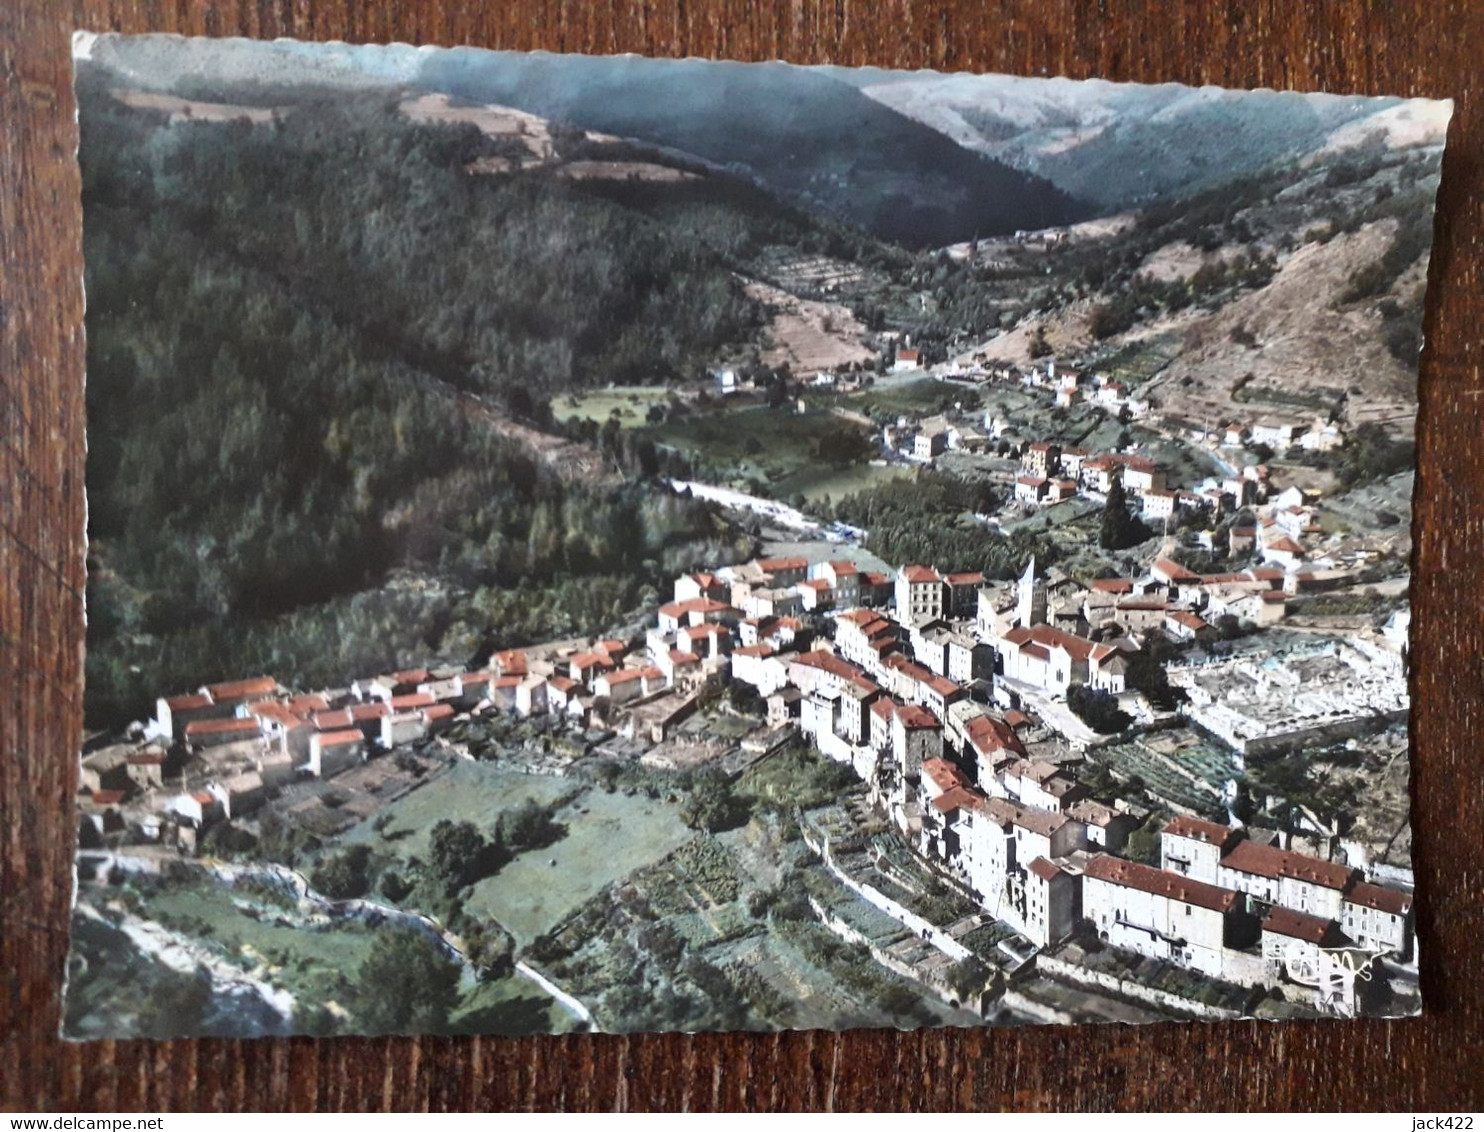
{"points": [[923, 396], [608, 837], [767, 445], [469, 791], [631, 402]]}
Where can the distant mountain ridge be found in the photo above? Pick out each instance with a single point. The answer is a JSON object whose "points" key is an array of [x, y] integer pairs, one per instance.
{"points": [[1120, 145]]}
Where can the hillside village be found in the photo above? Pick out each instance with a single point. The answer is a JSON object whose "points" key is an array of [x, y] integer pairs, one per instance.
{"points": [[977, 714], [686, 589]]}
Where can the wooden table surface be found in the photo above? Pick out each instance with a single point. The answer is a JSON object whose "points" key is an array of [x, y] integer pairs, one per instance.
{"points": [[1434, 1063]]}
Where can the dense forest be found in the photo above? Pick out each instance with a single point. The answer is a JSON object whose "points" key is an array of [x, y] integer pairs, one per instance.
{"points": [[282, 475]]}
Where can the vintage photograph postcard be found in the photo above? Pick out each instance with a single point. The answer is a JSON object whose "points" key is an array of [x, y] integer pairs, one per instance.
{"points": [[618, 544]]}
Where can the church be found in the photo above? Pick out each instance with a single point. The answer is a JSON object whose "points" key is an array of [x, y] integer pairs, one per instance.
{"points": [[1050, 659]]}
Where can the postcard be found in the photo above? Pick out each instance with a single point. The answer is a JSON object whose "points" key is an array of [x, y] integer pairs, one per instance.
{"points": [[622, 544]]}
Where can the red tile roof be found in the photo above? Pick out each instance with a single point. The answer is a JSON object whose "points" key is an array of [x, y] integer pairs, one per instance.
{"points": [[702, 605], [1143, 604], [561, 683], [586, 660], [107, 797], [1144, 878], [829, 662], [413, 700], [242, 689], [707, 629], [304, 705], [1299, 925], [623, 676], [989, 735], [1269, 861], [339, 738], [438, 711], [919, 575], [332, 720], [511, 662], [221, 727], [941, 685], [760, 650], [1112, 585], [957, 798], [680, 656], [272, 709], [917, 718], [965, 578], [1045, 869], [1172, 569], [1208, 832], [944, 774], [843, 569], [146, 758], [1049, 637], [1382, 899], [779, 565], [411, 676]]}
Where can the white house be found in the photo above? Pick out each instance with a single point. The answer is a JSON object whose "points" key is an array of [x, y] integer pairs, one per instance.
{"points": [[1159, 914]]}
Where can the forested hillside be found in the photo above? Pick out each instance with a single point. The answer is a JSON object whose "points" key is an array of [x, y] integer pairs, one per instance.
{"points": [[803, 134], [281, 473]]}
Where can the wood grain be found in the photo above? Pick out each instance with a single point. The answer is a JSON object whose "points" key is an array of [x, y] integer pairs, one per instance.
{"points": [[1434, 1063]]}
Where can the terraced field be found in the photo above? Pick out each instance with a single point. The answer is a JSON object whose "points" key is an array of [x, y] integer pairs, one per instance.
{"points": [[1176, 767]]}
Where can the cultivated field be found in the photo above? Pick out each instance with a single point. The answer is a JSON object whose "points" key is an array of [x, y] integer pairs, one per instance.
{"points": [[608, 837], [808, 335]]}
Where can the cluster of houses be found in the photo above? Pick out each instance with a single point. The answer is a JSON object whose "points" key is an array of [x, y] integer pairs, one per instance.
{"points": [[899, 695], [926, 683], [1281, 534], [1316, 434], [923, 440]]}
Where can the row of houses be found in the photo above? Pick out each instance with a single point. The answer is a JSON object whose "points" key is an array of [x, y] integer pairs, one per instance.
{"points": [[1030, 841]]}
